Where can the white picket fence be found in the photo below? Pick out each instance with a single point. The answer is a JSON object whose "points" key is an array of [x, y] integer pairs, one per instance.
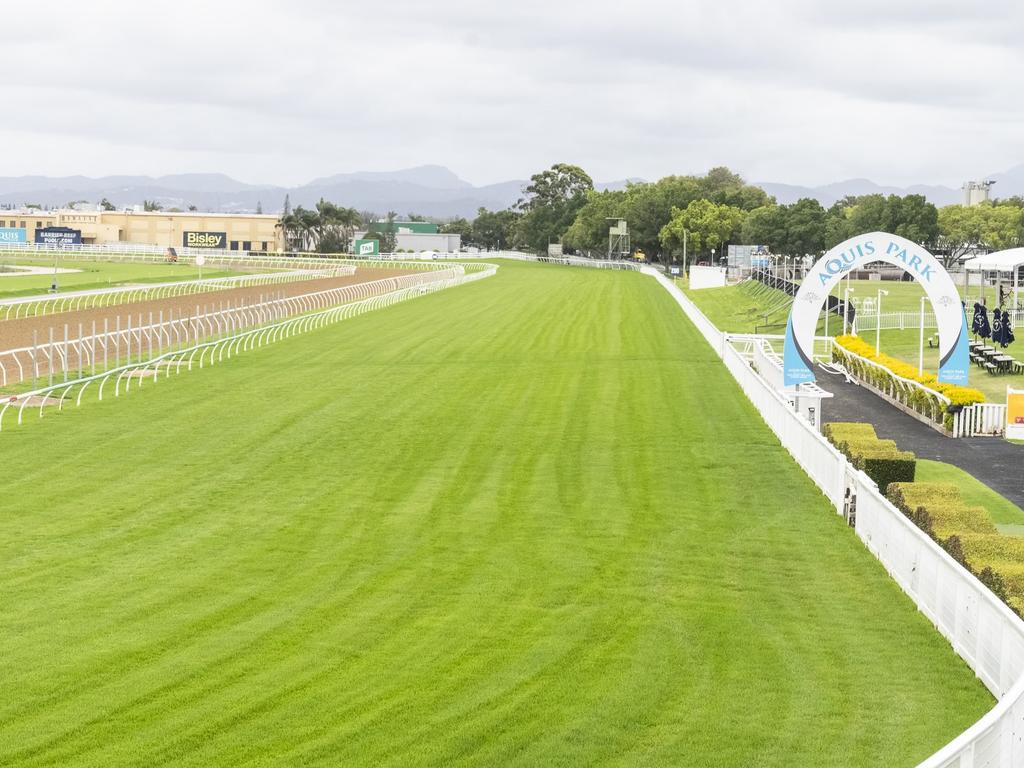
{"points": [[902, 321], [988, 419], [979, 626]]}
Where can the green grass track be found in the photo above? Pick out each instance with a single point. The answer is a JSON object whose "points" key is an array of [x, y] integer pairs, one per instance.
{"points": [[529, 521]]}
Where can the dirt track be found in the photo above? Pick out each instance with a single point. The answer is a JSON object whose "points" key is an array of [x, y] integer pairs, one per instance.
{"points": [[18, 333]]}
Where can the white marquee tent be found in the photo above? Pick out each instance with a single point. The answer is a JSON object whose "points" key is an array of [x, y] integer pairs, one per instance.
{"points": [[1006, 262]]}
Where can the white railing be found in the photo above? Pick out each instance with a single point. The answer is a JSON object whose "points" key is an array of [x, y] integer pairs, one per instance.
{"points": [[33, 306], [891, 321], [988, 419], [215, 351], [152, 254], [569, 261], [902, 321], [65, 355], [980, 627]]}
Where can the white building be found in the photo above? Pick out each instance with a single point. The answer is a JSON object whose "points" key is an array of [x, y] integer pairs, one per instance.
{"points": [[976, 192], [422, 241]]}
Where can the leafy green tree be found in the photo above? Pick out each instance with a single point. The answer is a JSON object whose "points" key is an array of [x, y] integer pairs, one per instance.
{"points": [[960, 229], [589, 231], [707, 225], [647, 207], [106, 205], [151, 205], [916, 219], [985, 225], [386, 233], [765, 225], [805, 228], [553, 198], [1002, 225], [458, 226], [494, 230], [837, 222], [326, 229]]}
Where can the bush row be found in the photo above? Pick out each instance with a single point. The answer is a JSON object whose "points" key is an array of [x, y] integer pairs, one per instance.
{"points": [[880, 459], [885, 379], [967, 534]]}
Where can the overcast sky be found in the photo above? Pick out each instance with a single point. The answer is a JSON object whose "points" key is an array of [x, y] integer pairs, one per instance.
{"points": [[281, 92]]}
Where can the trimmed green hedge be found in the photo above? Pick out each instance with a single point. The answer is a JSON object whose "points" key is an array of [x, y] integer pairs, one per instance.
{"points": [[967, 534], [897, 467], [880, 459], [837, 431]]}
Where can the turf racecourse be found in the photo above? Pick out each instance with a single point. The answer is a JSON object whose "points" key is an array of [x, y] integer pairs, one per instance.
{"points": [[527, 521]]}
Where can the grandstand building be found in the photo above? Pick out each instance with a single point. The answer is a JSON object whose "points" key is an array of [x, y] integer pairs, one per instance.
{"points": [[167, 229]]}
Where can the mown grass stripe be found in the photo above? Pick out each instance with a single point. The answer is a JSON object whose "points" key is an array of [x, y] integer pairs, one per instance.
{"points": [[530, 520]]}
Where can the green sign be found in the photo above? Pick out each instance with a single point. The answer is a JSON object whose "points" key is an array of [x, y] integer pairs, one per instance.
{"points": [[367, 247]]}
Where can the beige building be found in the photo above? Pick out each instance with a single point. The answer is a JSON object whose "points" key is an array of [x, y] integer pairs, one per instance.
{"points": [[228, 231]]}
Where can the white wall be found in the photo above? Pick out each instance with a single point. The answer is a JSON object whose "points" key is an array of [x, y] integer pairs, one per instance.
{"points": [[707, 277]]}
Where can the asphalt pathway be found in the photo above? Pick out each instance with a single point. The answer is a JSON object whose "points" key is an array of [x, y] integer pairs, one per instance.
{"points": [[994, 461]]}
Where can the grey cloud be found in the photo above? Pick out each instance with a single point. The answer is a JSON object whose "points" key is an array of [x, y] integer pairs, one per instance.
{"points": [[271, 91]]}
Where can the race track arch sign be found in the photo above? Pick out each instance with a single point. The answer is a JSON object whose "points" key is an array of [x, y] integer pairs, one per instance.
{"points": [[954, 359]]}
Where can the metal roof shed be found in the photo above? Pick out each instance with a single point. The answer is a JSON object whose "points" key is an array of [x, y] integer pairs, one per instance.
{"points": [[1000, 262]]}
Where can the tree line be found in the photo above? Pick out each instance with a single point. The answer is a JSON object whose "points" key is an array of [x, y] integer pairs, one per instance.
{"points": [[701, 213]]}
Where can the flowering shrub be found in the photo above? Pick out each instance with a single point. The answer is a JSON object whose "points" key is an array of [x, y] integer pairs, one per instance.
{"points": [[921, 400]]}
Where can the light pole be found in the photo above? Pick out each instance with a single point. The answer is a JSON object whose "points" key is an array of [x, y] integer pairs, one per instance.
{"points": [[684, 254], [878, 323], [920, 341], [846, 306]]}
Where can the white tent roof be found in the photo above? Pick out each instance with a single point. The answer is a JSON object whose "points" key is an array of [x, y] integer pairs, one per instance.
{"points": [[1001, 261]]}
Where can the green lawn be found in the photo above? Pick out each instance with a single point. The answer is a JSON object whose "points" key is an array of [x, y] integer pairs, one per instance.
{"points": [[528, 521], [95, 274], [1007, 516]]}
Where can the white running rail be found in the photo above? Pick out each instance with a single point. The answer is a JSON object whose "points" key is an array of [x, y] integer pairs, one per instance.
{"points": [[136, 335], [215, 351], [33, 306], [979, 626]]}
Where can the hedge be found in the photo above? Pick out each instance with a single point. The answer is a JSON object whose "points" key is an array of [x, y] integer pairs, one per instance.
{"points": [[898, 467], [837, 431], [967, 534], [880, 460], [947, 512]]}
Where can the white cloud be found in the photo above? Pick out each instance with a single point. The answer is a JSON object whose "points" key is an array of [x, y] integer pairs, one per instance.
{"points": [[797, 91]]}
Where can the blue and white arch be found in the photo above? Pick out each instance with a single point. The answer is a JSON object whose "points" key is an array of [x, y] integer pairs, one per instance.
{"points": [[954, 359]]}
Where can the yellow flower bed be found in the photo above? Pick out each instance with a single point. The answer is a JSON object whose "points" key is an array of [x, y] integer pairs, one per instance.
{"points": [[957, 395]]}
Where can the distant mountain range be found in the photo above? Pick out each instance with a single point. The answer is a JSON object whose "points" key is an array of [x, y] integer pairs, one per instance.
{"points": [[429, 190], [1008, 184]]}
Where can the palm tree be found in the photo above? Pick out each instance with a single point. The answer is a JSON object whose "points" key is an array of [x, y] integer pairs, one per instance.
{"points": [[328, 228]]}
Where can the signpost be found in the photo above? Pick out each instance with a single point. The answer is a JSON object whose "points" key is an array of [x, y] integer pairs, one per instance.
{"points": [[58, 236], [13, 235], [205, 240], [200, 261], [367, 248]]}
